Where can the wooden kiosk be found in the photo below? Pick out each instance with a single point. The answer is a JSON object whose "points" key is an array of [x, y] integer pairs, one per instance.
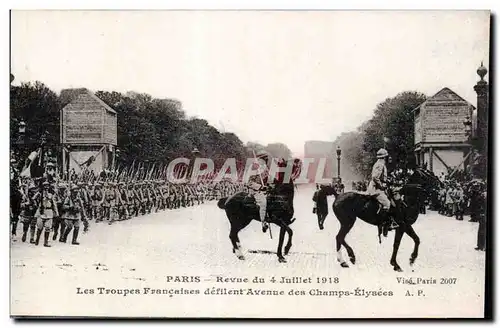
{"points": [[88, 132], [441, 142]]}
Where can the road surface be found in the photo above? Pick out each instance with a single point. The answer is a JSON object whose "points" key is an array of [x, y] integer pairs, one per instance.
{"points": [[152, 251]]}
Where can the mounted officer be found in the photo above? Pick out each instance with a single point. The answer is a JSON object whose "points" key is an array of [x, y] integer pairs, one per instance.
{"points": [[378, 187], [259, 184]]}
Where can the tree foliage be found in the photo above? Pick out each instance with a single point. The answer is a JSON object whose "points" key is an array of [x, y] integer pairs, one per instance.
{"points": [[149, 129], [393, 121], [38, 107]]}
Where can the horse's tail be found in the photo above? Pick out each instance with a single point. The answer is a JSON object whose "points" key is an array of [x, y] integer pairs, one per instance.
{"points": [[222, 203]]}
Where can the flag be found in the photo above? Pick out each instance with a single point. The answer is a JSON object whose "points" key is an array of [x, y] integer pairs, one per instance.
{"points": [[32, 168], [89, 161]]}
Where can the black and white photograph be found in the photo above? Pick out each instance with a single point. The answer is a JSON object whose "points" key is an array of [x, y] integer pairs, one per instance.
{"points": [[319, 164]]}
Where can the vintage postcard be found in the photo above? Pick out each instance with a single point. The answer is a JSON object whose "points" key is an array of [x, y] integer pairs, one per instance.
{"points": [[249, 164]]}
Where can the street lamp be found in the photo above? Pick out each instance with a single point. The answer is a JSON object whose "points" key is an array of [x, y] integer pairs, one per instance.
{"points": [[22, 128], [339, 153], [195, 153]]}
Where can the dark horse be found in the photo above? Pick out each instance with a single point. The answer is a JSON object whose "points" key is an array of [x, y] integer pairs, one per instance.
{"points": [[241, 209], [351, 205]]}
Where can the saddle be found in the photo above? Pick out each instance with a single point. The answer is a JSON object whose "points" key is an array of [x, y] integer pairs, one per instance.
{"points": [[275, 203]]}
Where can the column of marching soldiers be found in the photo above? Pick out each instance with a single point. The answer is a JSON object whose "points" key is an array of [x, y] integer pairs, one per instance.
{"points": [[58, 206]]}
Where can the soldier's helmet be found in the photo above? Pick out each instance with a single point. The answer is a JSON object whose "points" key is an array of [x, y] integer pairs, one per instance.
{"points": [[74, 187], [382, 153]]}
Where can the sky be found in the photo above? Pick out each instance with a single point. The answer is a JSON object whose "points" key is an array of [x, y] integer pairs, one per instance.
{"points": [[287, 76]]}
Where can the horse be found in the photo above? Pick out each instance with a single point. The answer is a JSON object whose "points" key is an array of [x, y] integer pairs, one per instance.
{"points": [[241, 209], [351, 205]]}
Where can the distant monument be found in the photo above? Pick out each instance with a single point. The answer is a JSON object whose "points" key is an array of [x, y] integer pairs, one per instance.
{"points": [[88, 132], [320, 149]]}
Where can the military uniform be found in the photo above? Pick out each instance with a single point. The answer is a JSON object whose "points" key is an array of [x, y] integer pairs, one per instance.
{"points": [[58, 224], [28, 209], [72, 213], [377, 187], [46, 211], [258, 184], [85, 198], [378, 184], [15, 197], [97, 199]]}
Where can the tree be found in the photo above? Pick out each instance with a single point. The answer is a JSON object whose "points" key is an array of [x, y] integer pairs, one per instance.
{"points": [[393, 120], [157, 130], [38, 106], [279, 150]]}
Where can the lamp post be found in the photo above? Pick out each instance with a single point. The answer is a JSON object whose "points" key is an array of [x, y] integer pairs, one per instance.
{"points": [[339, 153], [194, 154], [21, 138]]}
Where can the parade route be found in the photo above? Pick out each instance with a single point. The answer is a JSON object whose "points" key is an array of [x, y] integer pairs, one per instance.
{"points": [[154, 250]]}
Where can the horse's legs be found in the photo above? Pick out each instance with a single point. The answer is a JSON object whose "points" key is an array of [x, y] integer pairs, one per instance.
{"points": [[321, 220], [233, 236], [395, 248], [416, 240], [289, 243], [345, 227], [350, 252], [280, 244]]}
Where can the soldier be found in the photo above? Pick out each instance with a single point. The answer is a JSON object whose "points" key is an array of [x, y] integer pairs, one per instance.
{"points": [[131, 200], [160, 205], [377, 187], [85, 197], [137, 199], [259, 185], [15, 196], [50, 171], [148, 193], [481, 232], [113, 198], [72, 212], [97, 197], [457, 197], [123, 212], [58, 221], [143, 201], [28, 209], [109, 199], [88, 205], [47, 210], [167, 196]]}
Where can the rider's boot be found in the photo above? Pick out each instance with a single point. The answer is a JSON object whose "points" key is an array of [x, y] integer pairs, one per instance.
{"points": [[387, 221], [265, 225]]}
